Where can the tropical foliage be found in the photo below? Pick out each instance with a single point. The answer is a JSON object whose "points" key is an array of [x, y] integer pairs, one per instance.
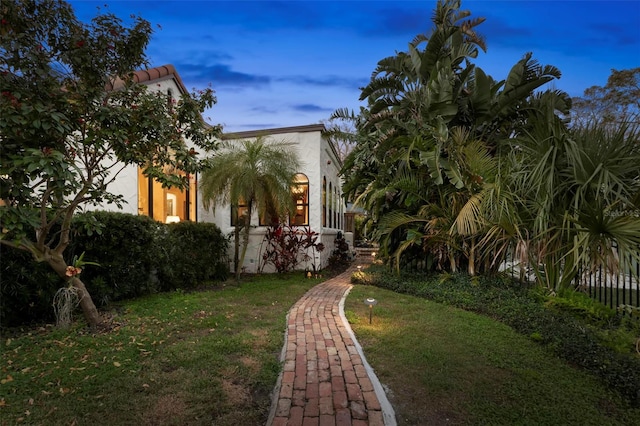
{"points": [[286, 246], [255, 174], [460, 171], [72, 118]]}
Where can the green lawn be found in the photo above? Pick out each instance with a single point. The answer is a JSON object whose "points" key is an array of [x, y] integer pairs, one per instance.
{"points": [[211, 358], [444, 365], [200, 358]]}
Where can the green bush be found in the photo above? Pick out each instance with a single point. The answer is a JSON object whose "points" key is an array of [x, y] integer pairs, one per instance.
{"points": [[341, 257], [26, 288], [136, 256], [194, 253], [583, 307], [129, 249], [570, 336]]}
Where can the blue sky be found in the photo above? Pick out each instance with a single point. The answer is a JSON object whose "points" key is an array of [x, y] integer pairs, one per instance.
{"points": [[288, 63]]}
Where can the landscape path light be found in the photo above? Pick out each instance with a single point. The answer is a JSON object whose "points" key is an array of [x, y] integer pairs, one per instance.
{"points": [[370, 302]]}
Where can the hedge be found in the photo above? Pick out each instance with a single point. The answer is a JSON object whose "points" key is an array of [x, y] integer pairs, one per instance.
{"points": [[136, 256]]}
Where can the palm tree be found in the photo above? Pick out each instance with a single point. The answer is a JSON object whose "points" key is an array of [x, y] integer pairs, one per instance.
{"points": [[254, 173], [580, 191], [424, 163]]}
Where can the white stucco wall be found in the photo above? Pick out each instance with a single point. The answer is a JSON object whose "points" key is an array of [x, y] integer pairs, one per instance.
{"points": [[126, 182], [318, 160]]}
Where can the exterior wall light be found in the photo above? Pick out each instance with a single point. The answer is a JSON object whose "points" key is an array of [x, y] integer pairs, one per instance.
{"points": [[370, 302]]}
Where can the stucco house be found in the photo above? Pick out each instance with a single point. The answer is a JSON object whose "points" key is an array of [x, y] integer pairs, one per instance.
{"points": [[142, 195], [317, 191], [318, 188]]}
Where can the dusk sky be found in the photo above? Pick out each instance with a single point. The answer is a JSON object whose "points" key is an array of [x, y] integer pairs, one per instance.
{"points": [[289, 63]]}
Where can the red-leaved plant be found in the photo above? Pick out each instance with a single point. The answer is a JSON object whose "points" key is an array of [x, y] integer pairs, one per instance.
{"points": [[287, 246]]}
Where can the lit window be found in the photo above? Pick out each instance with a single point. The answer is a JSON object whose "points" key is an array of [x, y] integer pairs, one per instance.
{"points": [[236, 213], [324, 201], [269, 217], [300, 193]]}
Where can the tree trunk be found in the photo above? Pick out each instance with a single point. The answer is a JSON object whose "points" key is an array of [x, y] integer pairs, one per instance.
{"points": [[245, 242], [89, 309], [472, 258], [236, 255]]}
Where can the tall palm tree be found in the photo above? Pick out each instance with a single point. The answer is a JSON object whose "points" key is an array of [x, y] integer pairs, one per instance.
{"points": [[423, 165], [254, 173]]}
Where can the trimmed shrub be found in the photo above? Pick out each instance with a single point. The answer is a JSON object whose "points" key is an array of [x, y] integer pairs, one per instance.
{"points": [[136, 256], [341, 257], [26, 288], [129, 249], [194, 253]]}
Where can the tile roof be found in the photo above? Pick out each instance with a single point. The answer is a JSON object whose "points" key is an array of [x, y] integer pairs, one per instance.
{"points": [[152, 74]]}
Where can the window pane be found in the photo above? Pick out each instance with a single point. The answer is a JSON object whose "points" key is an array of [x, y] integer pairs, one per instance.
{"points": [[242, 210], [300, 194], [324, 201]]}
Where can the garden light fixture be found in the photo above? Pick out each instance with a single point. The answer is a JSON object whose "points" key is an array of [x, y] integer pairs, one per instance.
{"points": [[370, 302]]}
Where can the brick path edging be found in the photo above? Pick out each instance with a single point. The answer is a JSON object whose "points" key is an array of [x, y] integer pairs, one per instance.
{"points": [[388, 413], [374, 398]]}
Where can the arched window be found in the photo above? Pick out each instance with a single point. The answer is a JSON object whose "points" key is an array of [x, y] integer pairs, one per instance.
{"points": [[300, 193], [335, 207], [330, 205], [340, 215], [324, 201]]}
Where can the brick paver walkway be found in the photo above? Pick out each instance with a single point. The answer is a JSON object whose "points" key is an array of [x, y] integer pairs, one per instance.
{"points": [[326, 380]]}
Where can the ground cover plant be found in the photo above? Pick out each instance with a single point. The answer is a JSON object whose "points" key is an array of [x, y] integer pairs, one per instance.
{"points": [[197, 358], [445, 365]]}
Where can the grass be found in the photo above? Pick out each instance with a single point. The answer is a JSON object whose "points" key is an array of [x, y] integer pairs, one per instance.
{"points": [[211, 358], [444, 365], [202, 358]]}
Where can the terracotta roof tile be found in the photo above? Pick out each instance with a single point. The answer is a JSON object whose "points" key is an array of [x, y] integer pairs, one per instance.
{"points": [[152, 74]]}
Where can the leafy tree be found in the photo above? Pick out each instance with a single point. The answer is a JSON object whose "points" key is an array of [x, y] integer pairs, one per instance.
{"points": [[253, 173], [342, 134], [72, 118], [426, 160], [616, 102]]}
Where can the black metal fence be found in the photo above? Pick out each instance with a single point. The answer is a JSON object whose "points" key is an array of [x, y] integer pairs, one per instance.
{"points": [[619, 290]]}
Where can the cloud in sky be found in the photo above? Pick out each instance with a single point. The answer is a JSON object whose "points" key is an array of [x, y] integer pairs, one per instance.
{"points": [[312, 108], [220, 75], [325, 81], [285, 63]]}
